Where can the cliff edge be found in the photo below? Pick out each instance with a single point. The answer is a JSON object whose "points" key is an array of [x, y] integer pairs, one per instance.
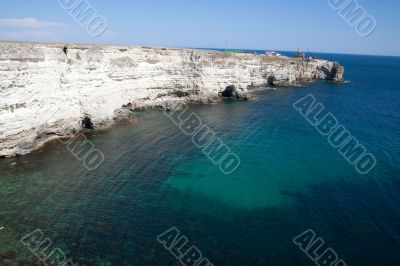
{"points": [[54, 90]]}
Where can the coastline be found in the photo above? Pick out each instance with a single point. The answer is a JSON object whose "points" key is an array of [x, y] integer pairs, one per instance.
{"points": [[49, 90]]}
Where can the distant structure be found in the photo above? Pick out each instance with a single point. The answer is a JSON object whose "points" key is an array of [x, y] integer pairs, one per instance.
{"points": [[299, 55], [310, 55], [273, 54]]}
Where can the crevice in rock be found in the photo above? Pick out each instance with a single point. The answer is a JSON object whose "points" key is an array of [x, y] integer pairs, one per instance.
{"points": [[65, 50], [271, 81]]}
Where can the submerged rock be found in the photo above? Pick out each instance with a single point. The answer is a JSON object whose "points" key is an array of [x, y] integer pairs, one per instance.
{"points": [[8, 255], [8, 258], [125, 115]]}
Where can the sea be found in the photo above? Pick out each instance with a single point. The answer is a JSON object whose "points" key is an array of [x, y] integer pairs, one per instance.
{"points": [[291, 184]]}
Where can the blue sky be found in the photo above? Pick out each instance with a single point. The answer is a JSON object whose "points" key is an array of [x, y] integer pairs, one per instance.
{"points": [[250, 24]]}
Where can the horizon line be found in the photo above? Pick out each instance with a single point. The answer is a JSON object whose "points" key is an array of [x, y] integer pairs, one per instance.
{"points": [[185, 47]]}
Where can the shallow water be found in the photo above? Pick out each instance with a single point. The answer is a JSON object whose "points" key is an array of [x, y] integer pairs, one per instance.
{"points": [[290, 179]]}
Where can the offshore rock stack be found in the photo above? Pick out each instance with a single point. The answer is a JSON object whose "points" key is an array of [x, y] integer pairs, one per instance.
{"points": [[50, 90]]}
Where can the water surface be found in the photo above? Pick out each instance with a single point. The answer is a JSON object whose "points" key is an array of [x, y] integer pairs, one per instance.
{"points": [[290, 179]]}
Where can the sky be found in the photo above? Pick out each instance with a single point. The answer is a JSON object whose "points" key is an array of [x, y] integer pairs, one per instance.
{"points": [[283, 25]]}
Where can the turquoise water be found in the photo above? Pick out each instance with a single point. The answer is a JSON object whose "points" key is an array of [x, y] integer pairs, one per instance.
{"points": [[289, 180]]}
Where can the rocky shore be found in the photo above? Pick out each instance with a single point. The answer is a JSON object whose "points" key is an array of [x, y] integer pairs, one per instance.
{"points": [[50, 90]]}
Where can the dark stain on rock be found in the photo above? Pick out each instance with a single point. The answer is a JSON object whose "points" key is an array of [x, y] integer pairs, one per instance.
{"points": [[65, 50]]}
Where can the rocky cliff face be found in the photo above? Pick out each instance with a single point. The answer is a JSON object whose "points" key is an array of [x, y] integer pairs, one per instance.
{"points": [[52, 90]]}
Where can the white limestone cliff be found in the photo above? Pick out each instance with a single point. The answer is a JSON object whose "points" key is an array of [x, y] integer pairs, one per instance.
{"points": [[46, 90]]}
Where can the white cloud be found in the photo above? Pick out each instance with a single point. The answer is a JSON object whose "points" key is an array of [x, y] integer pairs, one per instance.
{"points": [[29, 23], [31, 29], [35, 35]]}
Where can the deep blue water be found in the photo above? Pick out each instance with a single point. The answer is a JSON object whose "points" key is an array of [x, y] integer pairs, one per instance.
{"points": [[290, 179]]}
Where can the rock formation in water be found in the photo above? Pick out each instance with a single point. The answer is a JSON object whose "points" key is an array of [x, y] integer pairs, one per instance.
{"points": [[233, 92], [54, 90]]}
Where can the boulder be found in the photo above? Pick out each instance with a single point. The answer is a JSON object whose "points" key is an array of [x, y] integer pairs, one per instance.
{"points": [[234, 92], [272, 81]]}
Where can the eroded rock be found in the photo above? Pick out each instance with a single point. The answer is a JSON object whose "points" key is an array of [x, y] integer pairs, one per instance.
{"points": [[336, 73], [44, 96], [233, 92]]}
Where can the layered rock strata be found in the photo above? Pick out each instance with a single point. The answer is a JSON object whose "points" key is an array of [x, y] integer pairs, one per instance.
{"points": [[55, 90]]}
